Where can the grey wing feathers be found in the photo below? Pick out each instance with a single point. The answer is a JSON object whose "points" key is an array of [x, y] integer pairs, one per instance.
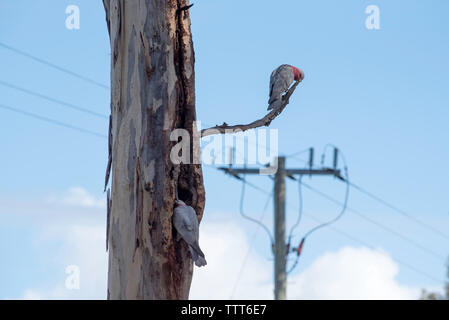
{"points": [[272, 79], [186, 223], [280, 80]]}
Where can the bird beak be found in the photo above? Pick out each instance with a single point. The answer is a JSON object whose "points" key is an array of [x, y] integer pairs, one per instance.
{"points": [[301, 75]]}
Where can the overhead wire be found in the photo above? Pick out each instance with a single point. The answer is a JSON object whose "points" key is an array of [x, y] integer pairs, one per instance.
{"points": [[297, 153], [298, 159], [300, 210], [402, 212], [338, 217], [386, 203], [54, 100], [340, 154], [245, 260], [351, 237], [385, 228], [54, 66], [322, 224], [299, 249], [366, 244], [64, 103], [242, 213], [53, 121]]}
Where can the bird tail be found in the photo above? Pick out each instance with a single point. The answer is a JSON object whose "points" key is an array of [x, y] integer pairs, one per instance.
{"points": [[197, 255], [274, 104], [200, 262]]}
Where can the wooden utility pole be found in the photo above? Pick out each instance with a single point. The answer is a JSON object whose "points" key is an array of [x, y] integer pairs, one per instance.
{"points": [[280, 247]]}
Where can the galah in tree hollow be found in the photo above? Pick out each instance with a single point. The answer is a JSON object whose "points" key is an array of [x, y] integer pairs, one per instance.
{"points": [[186, 223], [280, 80]]}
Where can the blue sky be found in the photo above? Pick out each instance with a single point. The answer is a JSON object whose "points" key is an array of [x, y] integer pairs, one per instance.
{"points": [[379, 95]]}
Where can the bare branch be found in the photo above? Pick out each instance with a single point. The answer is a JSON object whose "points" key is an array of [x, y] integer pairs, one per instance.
{"points": [[184, 8], [265, 121]]}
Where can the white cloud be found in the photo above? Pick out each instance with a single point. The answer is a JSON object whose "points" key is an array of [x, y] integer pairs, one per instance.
{"points": [[351, 273], [82, 246], [225, 246], [78, 225], [78, 197], [30, 294], [72, 224]]}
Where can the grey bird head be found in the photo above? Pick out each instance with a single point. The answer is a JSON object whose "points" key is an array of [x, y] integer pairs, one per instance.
{"points": [[299, 74], [179, 203]]}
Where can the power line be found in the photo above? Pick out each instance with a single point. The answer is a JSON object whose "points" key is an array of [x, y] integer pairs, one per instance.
{"points": [[244, 182], [379, 225], [349, 183], [297, 153], [385, 203], [253, 239], [49, 120], [299, 249], [355, 239], [54, 66], [340, 154], [54, 100], [297, 159], [300, 211], [343, 210], [412, 242], [402, 212], [279, 245], [322, 225]]}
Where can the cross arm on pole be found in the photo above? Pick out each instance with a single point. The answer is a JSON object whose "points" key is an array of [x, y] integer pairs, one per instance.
{"points": [[288, 172]]}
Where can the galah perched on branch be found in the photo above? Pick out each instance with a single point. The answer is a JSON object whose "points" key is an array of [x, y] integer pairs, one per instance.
{"points": [[280, 80], [186, 223]]}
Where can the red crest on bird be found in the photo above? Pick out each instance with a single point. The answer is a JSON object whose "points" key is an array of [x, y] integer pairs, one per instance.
{"points": [[299, 74]]}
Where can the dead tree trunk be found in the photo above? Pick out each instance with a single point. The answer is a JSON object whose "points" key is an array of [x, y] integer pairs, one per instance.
{"points": [[152, 93]]}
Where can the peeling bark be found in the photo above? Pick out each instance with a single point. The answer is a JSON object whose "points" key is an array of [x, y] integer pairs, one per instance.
{"points": [[152, 93]]}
